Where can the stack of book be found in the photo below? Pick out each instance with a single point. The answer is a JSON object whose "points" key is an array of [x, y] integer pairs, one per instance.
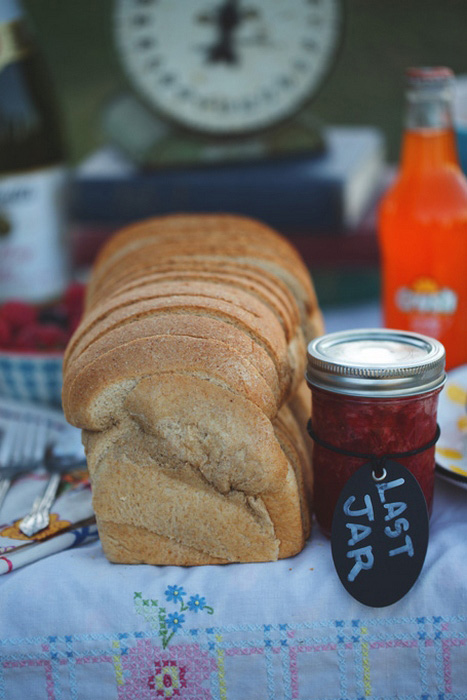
{"points": [[324, 203]]}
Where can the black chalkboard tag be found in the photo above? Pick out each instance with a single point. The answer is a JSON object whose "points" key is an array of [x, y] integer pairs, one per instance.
{"points": [[380, 533]]}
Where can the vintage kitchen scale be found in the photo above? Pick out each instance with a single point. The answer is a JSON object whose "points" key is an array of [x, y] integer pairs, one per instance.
{"points": [[216, 80]]}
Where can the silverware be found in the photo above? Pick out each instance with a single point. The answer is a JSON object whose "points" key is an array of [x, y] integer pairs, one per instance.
{"points": [[22, 448], [75, 535], [57, 463]]}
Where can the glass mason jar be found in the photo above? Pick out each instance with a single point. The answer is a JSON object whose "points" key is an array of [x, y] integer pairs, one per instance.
{"points": [[374, 392]]}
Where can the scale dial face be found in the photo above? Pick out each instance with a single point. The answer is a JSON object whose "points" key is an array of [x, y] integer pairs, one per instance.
{"points": [[227, 66]]}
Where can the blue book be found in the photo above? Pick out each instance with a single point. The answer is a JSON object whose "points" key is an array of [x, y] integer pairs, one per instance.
{"points": [[297, 194]]}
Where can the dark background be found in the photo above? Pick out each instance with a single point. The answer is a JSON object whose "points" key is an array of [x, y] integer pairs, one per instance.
{"points": [[382, 38]]}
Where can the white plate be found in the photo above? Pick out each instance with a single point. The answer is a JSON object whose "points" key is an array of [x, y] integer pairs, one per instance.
{"points": [[451, 449]]}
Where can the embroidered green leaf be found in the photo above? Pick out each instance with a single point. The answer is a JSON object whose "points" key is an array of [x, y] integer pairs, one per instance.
{"points": [[148, 612], [166, 640]]}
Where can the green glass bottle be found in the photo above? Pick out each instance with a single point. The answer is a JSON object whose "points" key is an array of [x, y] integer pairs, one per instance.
{"points": [[33, 177]]}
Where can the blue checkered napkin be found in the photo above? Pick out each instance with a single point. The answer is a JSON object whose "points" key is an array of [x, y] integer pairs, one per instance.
{"points": [[35, 378]]}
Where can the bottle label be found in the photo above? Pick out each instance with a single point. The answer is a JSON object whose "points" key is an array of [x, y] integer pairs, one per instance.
{"points": [[33, 260], [430, 307], [13, 43]]}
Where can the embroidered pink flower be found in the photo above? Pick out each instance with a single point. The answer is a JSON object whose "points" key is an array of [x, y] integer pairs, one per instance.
{"points": [[168, 679], [180, 671]]}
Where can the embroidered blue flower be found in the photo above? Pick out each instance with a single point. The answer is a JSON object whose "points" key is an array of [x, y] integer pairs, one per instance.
{"points": [[166, 623], [174, 593], [196, 603], [174, 620]]}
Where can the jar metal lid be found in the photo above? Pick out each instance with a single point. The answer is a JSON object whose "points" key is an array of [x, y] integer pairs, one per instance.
{"points": [[376, 362]]}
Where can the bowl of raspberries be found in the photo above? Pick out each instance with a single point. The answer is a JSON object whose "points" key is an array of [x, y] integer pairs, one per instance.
{"points": [[32, 342]]}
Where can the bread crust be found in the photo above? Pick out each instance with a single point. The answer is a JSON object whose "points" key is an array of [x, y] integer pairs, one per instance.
{"points": [[227, 280], [94, 399], [242, 251], [129, 544], [187, 419], [178, 324], [241, 310], [218, 227], [194, 265], [238, 528]]}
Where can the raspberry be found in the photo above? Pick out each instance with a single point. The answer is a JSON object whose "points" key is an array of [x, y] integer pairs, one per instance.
{"points": [[24, 327], [74, 323], [56, 314], [74, 297], [37, 337], [18, 314], [50, 337], [5, 334], [27, 338]]}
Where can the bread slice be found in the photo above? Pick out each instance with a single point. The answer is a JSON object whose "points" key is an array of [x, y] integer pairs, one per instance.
{"points": [[130, 544], [94, 399], [231, 527], [201, 247], [225, 280], [237, 308], [190, 442], [177, 324], [291, 440], [293, 278], [188, 420], [203, 234], [210, 227], [300, 407], [132, 277]]}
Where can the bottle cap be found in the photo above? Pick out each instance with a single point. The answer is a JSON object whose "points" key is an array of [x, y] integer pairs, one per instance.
{"points": [[429, 76], [376, 363]]}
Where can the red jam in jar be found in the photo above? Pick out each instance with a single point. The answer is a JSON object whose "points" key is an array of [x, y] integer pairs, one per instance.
{"points": [[374, 392]]}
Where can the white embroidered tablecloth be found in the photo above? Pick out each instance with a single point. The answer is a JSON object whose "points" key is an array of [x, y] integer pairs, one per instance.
{"points": [[75, 627]]}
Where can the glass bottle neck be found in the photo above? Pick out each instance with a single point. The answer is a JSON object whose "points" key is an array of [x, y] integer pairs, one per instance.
{"points": [[429, 108], [429, 138]]}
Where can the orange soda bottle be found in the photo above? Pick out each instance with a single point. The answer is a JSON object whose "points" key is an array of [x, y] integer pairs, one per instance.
{"points": [[423, 221]]}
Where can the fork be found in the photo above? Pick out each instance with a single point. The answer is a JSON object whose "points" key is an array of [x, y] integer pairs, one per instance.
{"points": [[22, 449], [56, 464]]}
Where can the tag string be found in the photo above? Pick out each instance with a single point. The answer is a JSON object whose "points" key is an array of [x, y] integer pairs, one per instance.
{"points": [[375, 459]]}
